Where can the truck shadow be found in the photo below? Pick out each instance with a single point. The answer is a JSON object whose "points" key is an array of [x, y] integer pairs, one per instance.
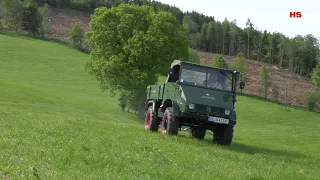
{"points": [[242, 148], [253, 150]]}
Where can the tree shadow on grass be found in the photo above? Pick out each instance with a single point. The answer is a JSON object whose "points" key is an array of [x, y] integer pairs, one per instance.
{"points": [[23, 35]]}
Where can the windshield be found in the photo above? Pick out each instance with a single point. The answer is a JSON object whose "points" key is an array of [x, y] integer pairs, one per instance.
{"points": [[206, 77]]}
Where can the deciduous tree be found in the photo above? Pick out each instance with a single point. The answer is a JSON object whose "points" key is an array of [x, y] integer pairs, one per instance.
{"points": [[249, 28], [31, 18], [131, 45], [240, 66], [264, 80]]}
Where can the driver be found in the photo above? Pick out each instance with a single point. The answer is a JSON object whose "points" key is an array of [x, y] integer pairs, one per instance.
{"points": [[213, 80]]}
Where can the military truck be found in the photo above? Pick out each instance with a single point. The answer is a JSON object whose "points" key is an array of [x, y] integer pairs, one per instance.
{"points": [[196, 96]]}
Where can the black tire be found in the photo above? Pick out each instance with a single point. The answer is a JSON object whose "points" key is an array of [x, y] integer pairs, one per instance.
{"points": [[198, 132], [223, 135], [170, 124], [153, 123]]}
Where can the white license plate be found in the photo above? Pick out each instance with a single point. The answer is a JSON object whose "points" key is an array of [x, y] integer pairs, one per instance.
{"points": [[218, 120]]}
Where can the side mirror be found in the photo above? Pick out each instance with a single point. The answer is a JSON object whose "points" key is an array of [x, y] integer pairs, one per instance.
{"points": [[170, 71], [242, 84]]}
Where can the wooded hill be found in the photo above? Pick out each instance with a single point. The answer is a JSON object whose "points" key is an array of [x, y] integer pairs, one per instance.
{"points": [[299, 54]]}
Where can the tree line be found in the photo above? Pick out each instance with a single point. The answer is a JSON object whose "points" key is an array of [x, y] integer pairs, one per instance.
{"points": [[299, 54]]}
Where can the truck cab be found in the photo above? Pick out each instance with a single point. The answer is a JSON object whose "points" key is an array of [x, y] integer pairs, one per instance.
{"points": [[200, 97]]}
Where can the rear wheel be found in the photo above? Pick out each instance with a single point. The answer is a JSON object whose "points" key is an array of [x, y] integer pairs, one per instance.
{"points": [[197, 132], [223, 135], [152, 122], [170, 124]]}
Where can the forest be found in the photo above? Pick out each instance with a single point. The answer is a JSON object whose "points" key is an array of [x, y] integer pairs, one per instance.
{"points": [[299, 54]]}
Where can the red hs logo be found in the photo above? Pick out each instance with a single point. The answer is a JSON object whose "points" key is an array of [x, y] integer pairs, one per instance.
{"points": [[295, 14]]}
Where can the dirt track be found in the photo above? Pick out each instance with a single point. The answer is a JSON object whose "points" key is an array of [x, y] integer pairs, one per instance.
{"points": [[62, 20]]}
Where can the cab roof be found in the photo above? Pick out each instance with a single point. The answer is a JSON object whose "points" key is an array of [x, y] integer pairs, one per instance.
{"points": [[179, 62]]}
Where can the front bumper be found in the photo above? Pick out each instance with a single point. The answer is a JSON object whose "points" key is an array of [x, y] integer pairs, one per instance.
{"points": [[189, 118]]}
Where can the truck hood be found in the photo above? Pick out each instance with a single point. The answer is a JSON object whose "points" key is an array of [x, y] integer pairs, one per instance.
{"points": [[206, 96]]}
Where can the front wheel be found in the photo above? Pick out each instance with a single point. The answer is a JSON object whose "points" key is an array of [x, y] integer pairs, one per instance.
{"points": [[223, 135], [170, 124]]}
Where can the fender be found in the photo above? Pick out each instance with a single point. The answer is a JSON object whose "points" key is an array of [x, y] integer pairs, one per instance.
{"points": [[176, 108], [150, 103]]}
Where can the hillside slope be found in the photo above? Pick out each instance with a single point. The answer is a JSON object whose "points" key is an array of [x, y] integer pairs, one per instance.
{"points": [[56, 124], [295, 84], [62, 20]]}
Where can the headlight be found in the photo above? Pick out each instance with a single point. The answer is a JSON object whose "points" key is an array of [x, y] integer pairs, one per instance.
{"points": [[191, 106], [227, 112]]}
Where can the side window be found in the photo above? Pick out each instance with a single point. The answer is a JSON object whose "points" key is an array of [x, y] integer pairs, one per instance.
{"points": [[175, 76], [176, 73]]}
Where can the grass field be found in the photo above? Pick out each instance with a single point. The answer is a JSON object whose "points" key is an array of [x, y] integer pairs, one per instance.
{"points": [[56, 124]]}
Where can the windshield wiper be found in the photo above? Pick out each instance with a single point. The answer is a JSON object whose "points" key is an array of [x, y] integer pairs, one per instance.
{"points": [[226, 75]]}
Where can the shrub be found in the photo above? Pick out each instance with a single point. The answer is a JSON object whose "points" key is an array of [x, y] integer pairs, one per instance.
{"points": [[76, 36], [240, 67], [193, 56], [220, 62], [312, 99], [10, 14], [44, 13], [315, 75], [264, 80]]}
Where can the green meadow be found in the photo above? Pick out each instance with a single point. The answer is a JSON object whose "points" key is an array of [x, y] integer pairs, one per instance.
{"points": [[55, 123]]}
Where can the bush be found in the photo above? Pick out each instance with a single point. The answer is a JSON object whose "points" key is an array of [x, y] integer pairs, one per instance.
{"points": [[10, 14], [315, 75], [240, 67], [264, 80], [44, 13], [312, 99], [58, 3], [81, 5], [76, 37], [193, 56], [123, 101], [220, 62]]}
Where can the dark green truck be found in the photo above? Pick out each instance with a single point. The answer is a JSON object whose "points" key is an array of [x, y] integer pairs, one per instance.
{"points": [[200, 97]]}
